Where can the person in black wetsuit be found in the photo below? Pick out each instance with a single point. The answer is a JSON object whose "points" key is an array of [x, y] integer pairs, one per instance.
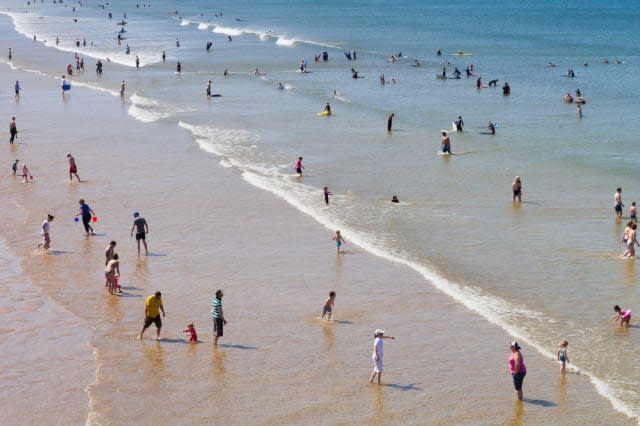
{"points": [[506, 89]]}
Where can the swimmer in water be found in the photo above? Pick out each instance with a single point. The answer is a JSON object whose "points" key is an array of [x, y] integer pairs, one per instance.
{"points": [[394, 199], [280, 86]]}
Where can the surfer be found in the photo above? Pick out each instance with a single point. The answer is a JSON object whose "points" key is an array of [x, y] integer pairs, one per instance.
{"points": [[506, 89], [354, 73], [128, 50], [327, 108], [459, 124], [394, 199], [446, 143], [444, 72], [209, 44], [280, 86]]}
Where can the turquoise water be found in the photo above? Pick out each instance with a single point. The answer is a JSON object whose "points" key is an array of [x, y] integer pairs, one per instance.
{"points": [[547, 270]]}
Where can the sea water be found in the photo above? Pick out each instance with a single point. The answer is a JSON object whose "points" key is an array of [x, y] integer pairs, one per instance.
{"points": [[546, 270]]}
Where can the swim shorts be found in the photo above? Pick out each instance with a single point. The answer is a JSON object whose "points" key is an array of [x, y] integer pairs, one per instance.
{"points": [[218, 327], [140, 236], [326, 310], [618, 207], [73, 169], [299, 170], [151, 320], [518, 378]]}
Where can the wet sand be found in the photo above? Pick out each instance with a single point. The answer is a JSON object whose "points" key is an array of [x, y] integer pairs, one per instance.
{"points": [[277, 363]]}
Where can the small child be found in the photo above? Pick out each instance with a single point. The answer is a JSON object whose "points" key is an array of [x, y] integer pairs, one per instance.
{"points": [[326, 195], [563, 357], [338, 239], [633, 211], [192, 331], [26, 174], [623, 315], [328, 305], [14, 167]]}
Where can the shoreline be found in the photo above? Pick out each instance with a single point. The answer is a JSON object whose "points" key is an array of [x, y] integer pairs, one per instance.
{"points": [[229, 175]]}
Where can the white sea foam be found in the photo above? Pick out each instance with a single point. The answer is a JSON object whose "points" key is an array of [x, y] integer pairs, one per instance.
{"points": [[203, 26], [282, 41], [148, 110], [185, 22], [228, 30]]}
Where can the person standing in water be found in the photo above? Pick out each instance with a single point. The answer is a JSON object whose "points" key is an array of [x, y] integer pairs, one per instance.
{"points": [[390, 122], [14, 167], [86, 213], [218, 317], [378, 354], [179, 68], [337, 237], [328, 305], [152, 307], [44, 231], [563, 356], [617, 202], [209, 89], [73, 168], [299, 167], [459, 124], [142, 229], [446, 143], [326, 195], [122, 87], [517, 369], [516, 188], [164, 56], [13, 130], [17, 89]]}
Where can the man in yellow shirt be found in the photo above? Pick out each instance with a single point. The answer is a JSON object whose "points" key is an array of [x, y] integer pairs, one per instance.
{"points": [[152, 308]]}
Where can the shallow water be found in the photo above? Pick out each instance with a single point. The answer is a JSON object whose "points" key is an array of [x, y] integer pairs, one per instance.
{"points": [[544, 271]]}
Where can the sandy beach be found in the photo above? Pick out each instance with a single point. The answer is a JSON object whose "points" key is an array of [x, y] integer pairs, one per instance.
{"points": [[72, 355]]}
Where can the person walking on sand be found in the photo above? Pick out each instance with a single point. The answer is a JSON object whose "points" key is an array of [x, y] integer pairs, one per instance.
{"points": [[337, 237], [142, 229], [13, 130], [86, 213], [122, 87], [219, 320], [378, 354], [390, 122], [617, 202], [17, 89], [152, 308], [517, 369], [73, 167], [516, 188], [624, 315], [326, 195], [563, 357], [44, 231], [111, 271], [328, 305], [299, 167]]}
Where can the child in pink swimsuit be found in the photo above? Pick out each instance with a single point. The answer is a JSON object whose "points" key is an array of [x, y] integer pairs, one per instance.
{"points": [[624, 315], [193, 338]]}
